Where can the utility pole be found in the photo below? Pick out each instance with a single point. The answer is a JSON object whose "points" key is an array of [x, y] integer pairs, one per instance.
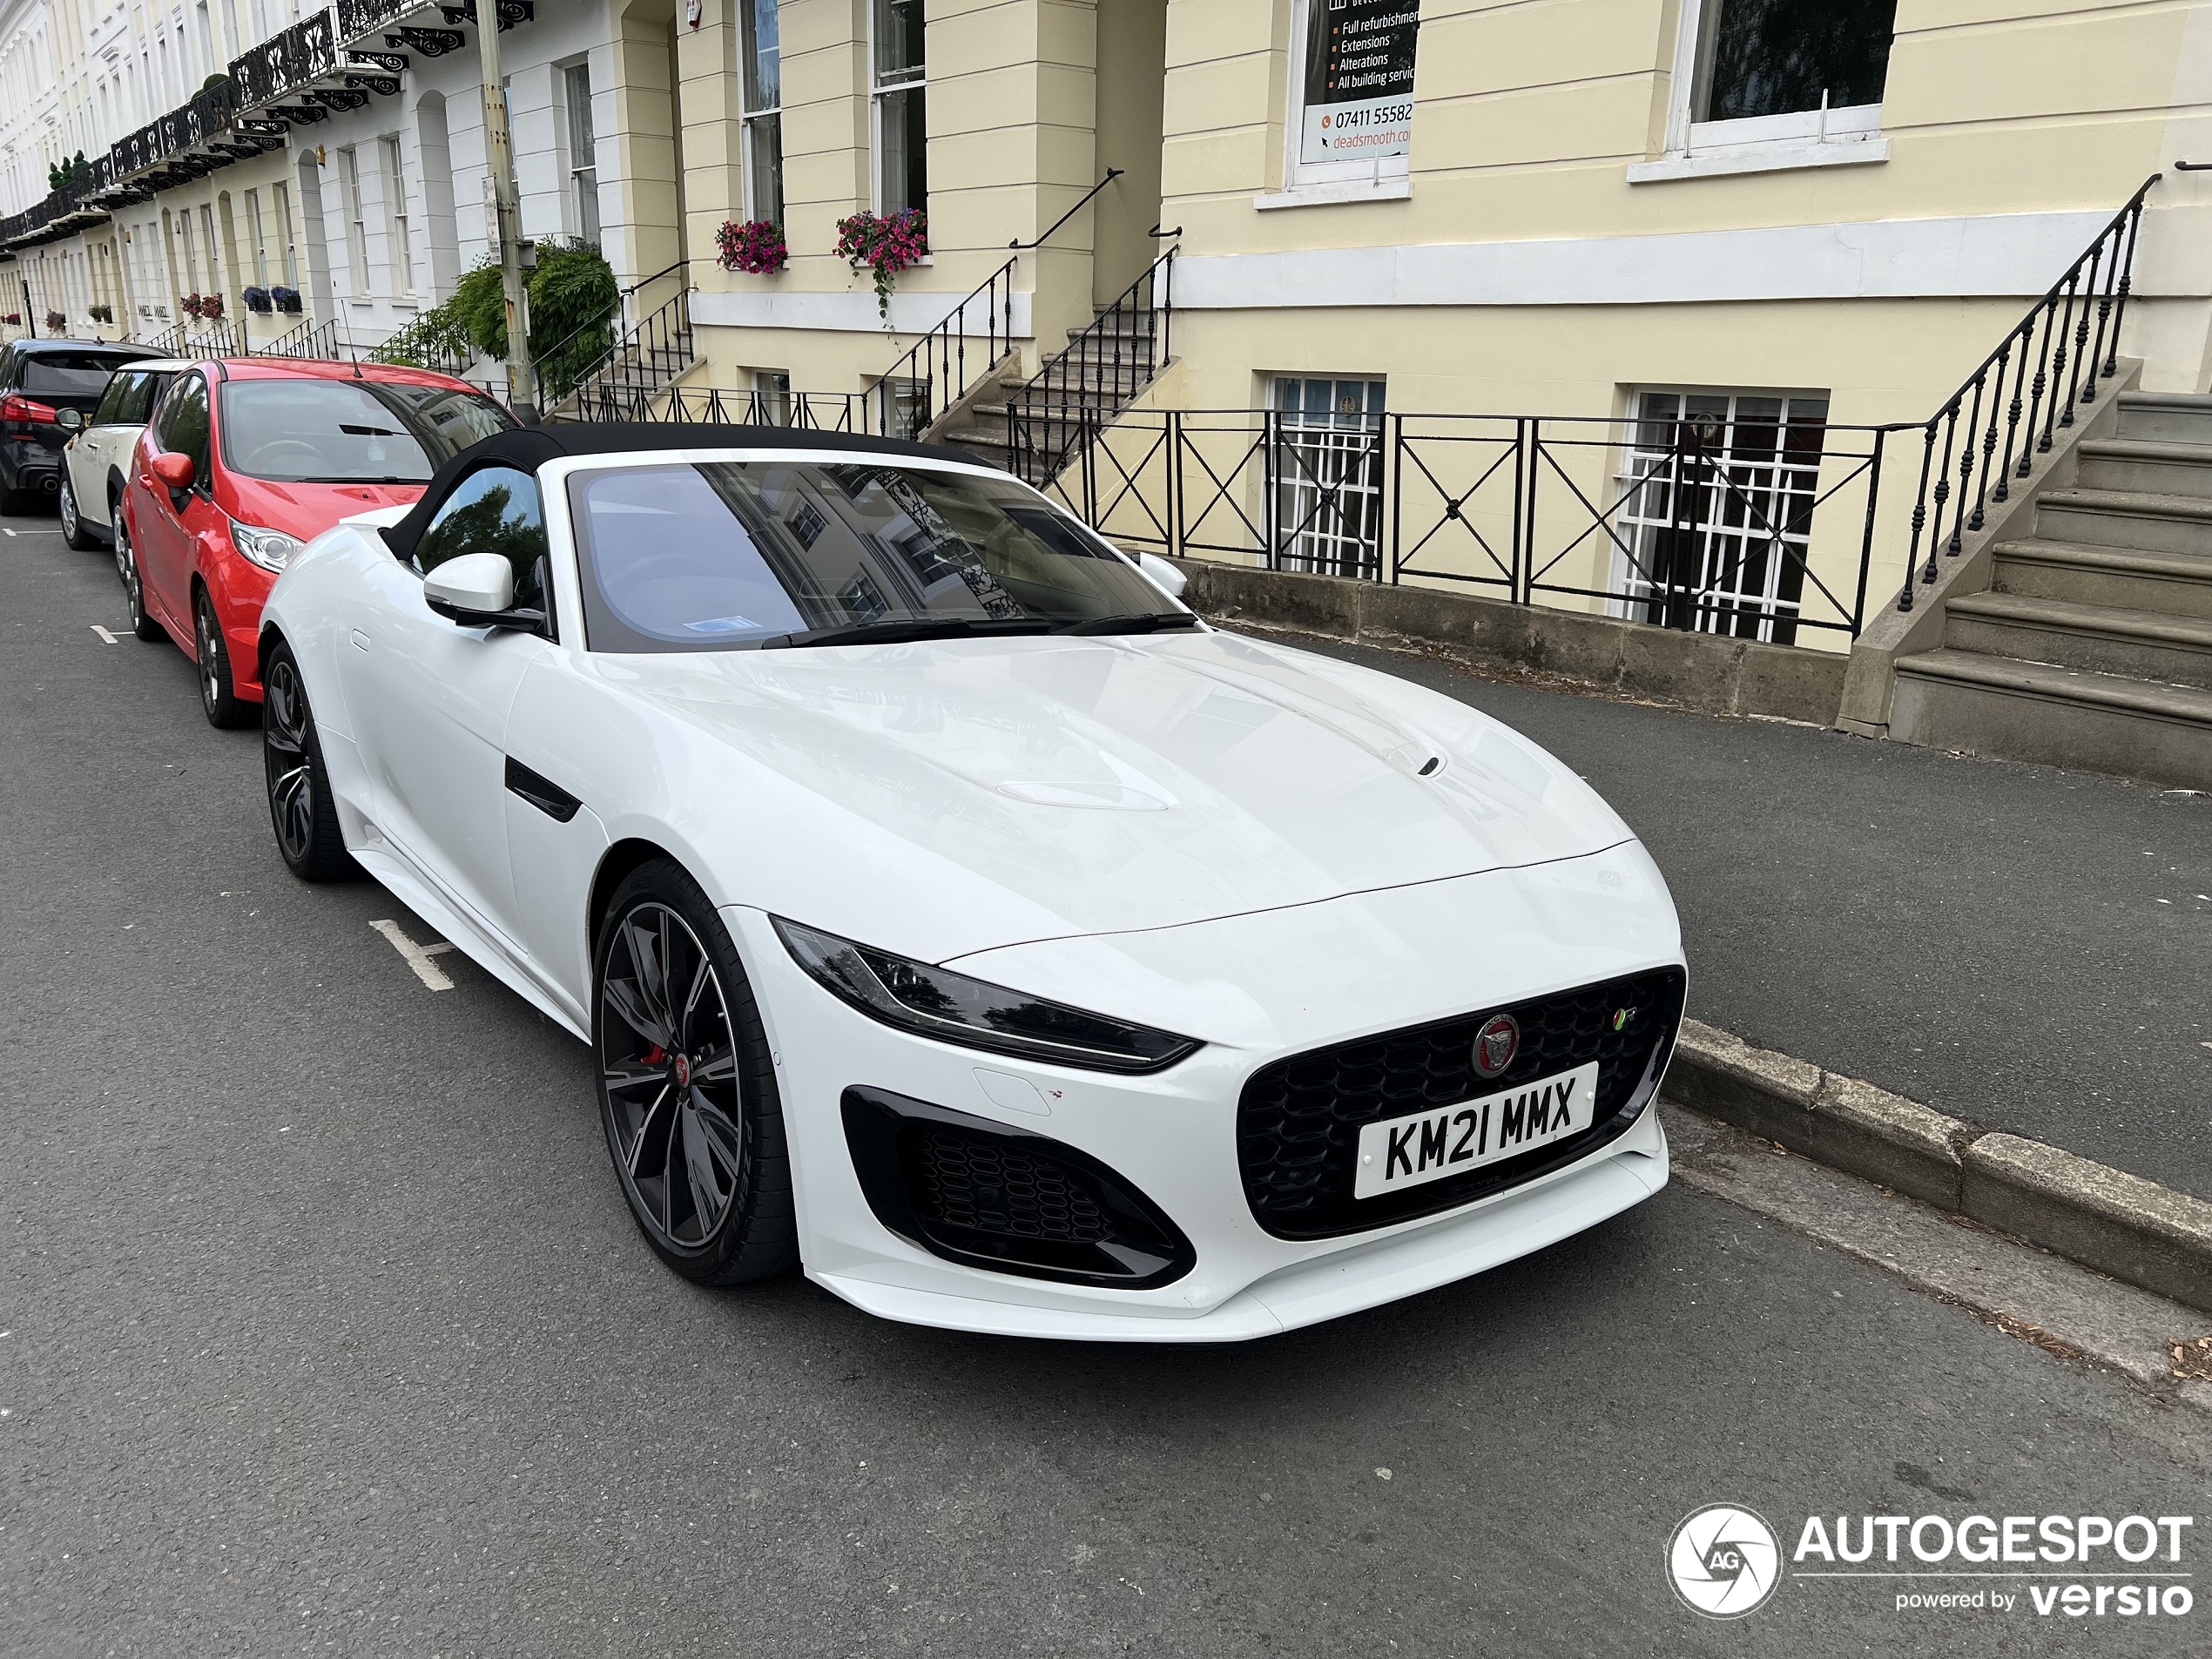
{"points": [[499, 156]]}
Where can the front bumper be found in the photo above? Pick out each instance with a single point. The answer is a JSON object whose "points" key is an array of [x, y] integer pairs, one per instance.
{"points": [[1173, 1136]]}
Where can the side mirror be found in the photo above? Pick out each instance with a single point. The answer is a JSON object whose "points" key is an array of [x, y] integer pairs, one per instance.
{"points": [[173, 469], [1162, 575], [476, 590], [69, 420]]}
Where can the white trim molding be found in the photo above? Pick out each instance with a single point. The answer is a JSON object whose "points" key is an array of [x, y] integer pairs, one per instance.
{"points": [[1385, 188], [1982, 254], [852, 312], [1773, 156]]}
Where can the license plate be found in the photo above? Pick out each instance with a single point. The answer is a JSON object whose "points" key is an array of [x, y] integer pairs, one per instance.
{"points": [[1404, 1152]]}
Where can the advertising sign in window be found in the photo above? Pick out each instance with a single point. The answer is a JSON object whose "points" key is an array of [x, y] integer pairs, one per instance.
{"points": [[1359, 79]]}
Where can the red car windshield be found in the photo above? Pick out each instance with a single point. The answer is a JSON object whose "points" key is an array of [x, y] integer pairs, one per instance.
{"points": [[350, 432]]}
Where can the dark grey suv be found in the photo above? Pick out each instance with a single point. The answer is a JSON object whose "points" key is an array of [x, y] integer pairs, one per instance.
{"points": [[38, 380]]}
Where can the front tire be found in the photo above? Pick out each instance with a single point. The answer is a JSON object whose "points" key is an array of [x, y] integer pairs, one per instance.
{"points": [[134, 587], [687, 1086], [75, 532], [219, 698], [301, 809]]}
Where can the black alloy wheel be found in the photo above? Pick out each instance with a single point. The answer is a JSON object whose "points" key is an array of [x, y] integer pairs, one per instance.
{"points": [[301, 810], [134, 587], [219, 698], [75, 532], [687, 1087]]}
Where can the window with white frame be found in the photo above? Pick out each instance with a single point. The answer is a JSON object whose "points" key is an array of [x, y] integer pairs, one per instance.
{"points": [[771, 396], [395, 219], [764, 110], [1715, 505], [897, 106], [583, 150], [1351, 116], [281, 204], [257, 239], [1328, 468], [349, 186], [1787, 72], [215, 283]]}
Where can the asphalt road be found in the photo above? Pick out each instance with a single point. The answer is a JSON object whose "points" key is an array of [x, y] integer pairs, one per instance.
{"points": [[2019, 945], [323, 1329]]}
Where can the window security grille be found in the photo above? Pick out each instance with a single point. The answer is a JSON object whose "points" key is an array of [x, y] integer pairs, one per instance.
{"points": [[1328, 466], [1717, 492]]}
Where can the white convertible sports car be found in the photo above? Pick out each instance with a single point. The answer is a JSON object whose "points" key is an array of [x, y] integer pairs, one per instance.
{"points": [[951, 911]]}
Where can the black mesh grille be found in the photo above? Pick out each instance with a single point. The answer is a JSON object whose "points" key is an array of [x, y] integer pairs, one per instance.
{"points": [[1299, 1122], [995, 1186]]}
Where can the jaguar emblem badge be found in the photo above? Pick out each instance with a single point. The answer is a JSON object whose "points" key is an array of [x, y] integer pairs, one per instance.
{"points": [[1495, 1045]]}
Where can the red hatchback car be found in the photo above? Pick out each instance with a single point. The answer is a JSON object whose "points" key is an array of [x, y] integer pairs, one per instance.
{"points": [[246, 461]]}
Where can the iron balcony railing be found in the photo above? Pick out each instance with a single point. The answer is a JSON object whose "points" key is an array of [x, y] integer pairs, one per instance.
{"points": [[286, 63], [359, 18], [2051, 362]]}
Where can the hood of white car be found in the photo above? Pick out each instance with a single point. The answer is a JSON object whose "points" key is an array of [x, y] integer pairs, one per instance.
{"points": [[973, 792]]}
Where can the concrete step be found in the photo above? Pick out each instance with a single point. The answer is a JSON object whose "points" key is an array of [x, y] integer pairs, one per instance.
{"points": [[2166, 417], [2134, 519], [2099, 639], [2059, 717], [2174, 585], [2143, 467]]}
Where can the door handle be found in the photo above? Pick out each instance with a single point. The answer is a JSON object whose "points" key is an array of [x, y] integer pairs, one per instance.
{"points": [[361, 640]]}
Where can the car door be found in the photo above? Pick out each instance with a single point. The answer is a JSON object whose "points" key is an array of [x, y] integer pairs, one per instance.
{"points": [[164, 539], [103, 442], [430, 698]]}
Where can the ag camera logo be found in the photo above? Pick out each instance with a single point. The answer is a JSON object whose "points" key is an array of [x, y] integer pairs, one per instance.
{"points": [[1725, 1562]]}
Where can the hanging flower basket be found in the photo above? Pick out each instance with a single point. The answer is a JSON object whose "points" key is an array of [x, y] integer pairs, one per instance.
{"points": [[887, 244], [102, 313], [286, 299], [257, 301], [55, 322], [211, 308], [189, 305], [14, 320], [756, 246]]}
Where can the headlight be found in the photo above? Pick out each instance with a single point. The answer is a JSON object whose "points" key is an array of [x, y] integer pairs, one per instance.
{"points": [[933, 1002], [271, 550]]}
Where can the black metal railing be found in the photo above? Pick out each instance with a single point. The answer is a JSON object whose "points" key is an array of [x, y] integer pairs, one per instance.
{"points": [[1081, 202], [288, 60], [307, 338], [2054, 364], [627, 346], [1766, 531], [434, 341], [1101, 371], [716, 406], [925, 385], [359, 18]]}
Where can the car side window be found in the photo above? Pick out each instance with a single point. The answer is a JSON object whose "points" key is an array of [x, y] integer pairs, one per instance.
{"points": [[184, 424], [115, 399], [495, 509]]}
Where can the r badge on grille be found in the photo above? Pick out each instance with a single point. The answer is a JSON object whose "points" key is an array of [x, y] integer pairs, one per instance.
{"points": [[1495, 1045]]}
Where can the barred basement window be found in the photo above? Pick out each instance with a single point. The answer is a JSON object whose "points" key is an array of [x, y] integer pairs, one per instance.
{"points": [[1327, 462], [1716, 491]]}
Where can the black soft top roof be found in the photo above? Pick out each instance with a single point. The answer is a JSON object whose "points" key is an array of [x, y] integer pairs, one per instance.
{"points": [[527, 449]]}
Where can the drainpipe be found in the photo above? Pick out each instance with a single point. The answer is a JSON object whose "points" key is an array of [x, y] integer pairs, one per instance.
{"points": [[499, 157]]}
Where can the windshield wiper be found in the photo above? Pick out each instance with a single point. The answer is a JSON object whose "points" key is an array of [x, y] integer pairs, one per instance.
{"points": [[891, 633], [1149, 623]]}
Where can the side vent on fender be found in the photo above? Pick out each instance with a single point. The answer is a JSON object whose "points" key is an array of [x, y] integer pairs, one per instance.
{"points": [[541, 791]]}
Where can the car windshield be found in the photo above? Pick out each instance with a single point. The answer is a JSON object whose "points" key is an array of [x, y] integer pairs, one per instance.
{"points": [[716, 555], [350, 432], [72, 373]]}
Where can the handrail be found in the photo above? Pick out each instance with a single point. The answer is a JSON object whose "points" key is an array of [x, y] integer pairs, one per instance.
{"points": [[1112, 173], [656, 276], [938, 362], [623, 328], [1103, 367], [2097, 279]]}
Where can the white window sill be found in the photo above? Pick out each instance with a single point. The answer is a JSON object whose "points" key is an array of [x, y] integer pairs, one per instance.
{"points": [[1357, 190], [1782, 155]]}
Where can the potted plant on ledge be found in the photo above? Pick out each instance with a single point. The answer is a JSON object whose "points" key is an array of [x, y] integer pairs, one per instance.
{"points": [[755, 247], [887, 244], [257, 301], [286, 301]]}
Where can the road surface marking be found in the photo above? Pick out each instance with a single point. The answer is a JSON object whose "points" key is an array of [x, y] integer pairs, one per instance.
{"points": [[417, 956], [103, 633]]}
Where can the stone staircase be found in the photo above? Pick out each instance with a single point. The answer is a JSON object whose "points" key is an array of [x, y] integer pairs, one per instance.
{"points": [[1102, 368], [2093, 646]]}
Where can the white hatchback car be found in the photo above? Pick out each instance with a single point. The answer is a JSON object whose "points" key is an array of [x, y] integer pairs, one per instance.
{"points": [[950, 910], [97, 460]]}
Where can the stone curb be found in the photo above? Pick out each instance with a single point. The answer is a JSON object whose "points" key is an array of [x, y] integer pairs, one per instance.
{"points": [[2119, 1223]]}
